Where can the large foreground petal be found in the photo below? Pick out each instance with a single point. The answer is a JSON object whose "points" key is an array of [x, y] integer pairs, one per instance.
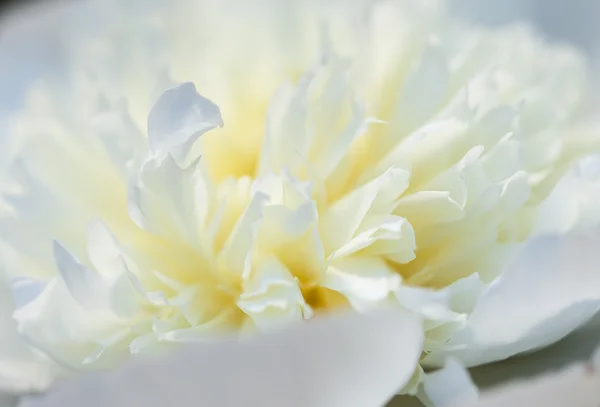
{"points": [[344, 361]]}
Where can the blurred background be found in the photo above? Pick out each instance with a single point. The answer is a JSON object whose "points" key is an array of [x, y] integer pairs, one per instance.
{"points": [[28, 32], [29, 42]]}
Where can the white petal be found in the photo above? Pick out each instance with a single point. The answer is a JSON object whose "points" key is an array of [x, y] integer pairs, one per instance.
{"points": [[272, 297], [549, 289], [444, 304], [365, 281], [574, 201], [168, 200], [84, 285], [576, 347], [58, 325], [306, 366], [424, 90], [450, 386], [178, 118], [344, 218], [104, 250], [235, 254], [390, 236], [429, 207], [21, 369]]}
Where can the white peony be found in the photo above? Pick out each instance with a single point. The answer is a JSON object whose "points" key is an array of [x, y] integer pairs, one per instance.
{"points": [[229, 167]]}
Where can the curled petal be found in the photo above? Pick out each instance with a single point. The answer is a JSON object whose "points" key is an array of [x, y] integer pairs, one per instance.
{"points": [[178, 118]]}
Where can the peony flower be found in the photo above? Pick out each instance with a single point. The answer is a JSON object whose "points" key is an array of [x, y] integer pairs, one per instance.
{"points": [[216, 168]]}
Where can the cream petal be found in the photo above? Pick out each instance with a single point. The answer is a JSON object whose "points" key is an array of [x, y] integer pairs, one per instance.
{"points": [[290, 135], [235, 256], [178, 213], [424, 90], [428, 150], [284, 189], [343, 219], [390, 236], [282, 225], [429, 207], [104, 250], [198, 304], [494, 127], [57, 324], [289, 227], [120, 293], [367, 282], [272, 297], [213, 329]]}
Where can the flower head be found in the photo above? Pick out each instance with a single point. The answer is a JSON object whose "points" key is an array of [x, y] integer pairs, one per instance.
{"points": [[261, 165]]}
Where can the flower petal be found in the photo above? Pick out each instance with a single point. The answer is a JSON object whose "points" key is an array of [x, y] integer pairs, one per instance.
{"points": [[449, 386], [576, 347], [365, 281], [574, 201], [305, 366], [178, 118], [343, 220], [272, 297], [85, 286], [21, 368], [549, 289]]}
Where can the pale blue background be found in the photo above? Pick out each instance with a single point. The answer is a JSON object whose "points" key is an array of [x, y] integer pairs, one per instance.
{"points": [[29, 45]]}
